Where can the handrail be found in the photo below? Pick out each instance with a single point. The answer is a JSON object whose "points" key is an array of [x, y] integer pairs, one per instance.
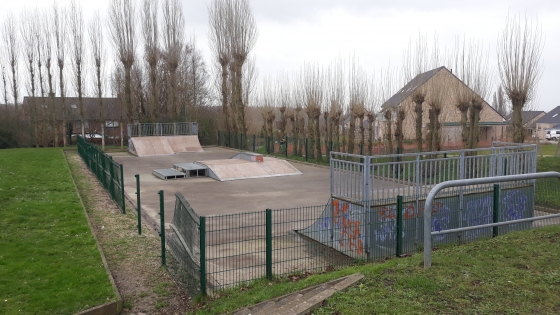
{"points": [[464, 182]]}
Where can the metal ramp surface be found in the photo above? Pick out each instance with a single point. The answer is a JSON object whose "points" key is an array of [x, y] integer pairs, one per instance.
{"points": [[168, 173]]}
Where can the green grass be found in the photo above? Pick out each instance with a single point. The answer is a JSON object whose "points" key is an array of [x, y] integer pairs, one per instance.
{"points": [[49, 261], [547, 149], [547, 191], [510, 274]]}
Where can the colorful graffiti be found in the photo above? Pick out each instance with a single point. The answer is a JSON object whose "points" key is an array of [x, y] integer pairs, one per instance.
{"points": [[350, 234]]}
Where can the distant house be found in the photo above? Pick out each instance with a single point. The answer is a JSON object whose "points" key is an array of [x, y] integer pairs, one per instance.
{"points": [[551, 120], [492, 124], [529, 119], [113, 115]]}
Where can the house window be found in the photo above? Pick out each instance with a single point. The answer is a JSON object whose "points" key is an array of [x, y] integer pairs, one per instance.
{"points": [[78, 124], [112, 123]]}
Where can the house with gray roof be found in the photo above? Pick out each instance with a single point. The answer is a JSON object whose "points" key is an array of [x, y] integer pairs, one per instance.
{"points": [[529, 119], [549, 121]]}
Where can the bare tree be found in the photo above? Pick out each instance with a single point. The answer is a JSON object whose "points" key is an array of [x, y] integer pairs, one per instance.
{"points": [[28, 29], [122, 24], [60, 37], [519, 50], [471, 66], [77, 36], [150, 32], [336, 99], [42, 46], [46, 46], [499, 102], [5, 85], [12, 50], [313, 84], [173, 38], [98, 56]]}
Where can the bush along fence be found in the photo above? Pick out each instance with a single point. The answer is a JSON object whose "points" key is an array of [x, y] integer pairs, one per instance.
{"points": [[107, 171]]}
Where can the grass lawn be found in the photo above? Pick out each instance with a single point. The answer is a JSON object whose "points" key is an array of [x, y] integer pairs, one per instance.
{"points": [[49, 261], [547, 149], [510, 274]]}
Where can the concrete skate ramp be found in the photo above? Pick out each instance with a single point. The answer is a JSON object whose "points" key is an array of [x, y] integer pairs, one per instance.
{"points": [[234, 169], [160, 145]]}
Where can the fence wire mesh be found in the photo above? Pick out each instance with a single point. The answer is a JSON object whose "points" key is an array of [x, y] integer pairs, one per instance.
{"points": [[108, 172], [343, 232]]}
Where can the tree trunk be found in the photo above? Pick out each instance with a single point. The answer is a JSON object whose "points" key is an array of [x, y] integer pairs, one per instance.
{"points": [[351, 133], [318, 143], [465, 128], [311, 136], [418, 111], [517, 122], [131, 114], [362, 133]]}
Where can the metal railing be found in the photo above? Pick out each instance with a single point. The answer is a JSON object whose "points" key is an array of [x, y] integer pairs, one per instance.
{"points": [[108, 172], [363, 178], [162, 129], [497, 204]]}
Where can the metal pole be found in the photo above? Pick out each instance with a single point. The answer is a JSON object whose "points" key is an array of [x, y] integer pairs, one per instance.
{"points": [[399, 225], [268, 244], [162, 226], [202, 238], [463, 182], [122, 190], [139, 208], [496, 210]]}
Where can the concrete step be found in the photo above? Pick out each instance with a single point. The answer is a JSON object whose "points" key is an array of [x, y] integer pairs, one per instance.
{"points": [[300, 302]]}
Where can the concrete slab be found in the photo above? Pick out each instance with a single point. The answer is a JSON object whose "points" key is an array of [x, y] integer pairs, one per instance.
{"points": [[209, 197]]}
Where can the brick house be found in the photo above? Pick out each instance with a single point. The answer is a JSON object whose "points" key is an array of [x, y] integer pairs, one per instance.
{"points": [[492, 124], [551, 120], [113, 116]]}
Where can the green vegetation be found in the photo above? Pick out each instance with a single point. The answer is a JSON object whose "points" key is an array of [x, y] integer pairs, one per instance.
{"points": [[547, 193], [49, 260], [547, 149], [510, 274]]}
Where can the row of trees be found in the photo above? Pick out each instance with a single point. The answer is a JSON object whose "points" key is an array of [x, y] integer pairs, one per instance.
{"points": [[65, 55], [343, 92], [159, 75]]}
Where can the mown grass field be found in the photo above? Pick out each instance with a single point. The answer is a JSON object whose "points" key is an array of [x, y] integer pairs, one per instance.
{"points": [[511, 274], [49, 260]]}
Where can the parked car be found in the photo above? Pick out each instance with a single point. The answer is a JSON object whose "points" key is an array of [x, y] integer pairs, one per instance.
{"points": [[553, 134]]}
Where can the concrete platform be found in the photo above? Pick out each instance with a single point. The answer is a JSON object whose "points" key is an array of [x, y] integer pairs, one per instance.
{"points": [[208, 196], [236, 169]]}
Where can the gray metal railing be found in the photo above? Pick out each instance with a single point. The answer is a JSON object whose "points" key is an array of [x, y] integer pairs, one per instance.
{"points": [[359, 177], [162, 129], [428, 233]]}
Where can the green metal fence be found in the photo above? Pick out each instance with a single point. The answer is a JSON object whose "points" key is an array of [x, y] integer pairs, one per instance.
{"points": [[224, 251], [304, 148], [107, 171]]}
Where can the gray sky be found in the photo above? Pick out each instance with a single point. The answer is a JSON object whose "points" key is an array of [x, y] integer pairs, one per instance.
{"points": [[293, 32]]}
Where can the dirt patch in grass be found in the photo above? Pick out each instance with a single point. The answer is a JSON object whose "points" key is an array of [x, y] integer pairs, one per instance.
{"points": [[133, 259]]}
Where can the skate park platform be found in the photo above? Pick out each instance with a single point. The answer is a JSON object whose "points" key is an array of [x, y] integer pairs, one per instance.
{"points": [[244, 165], [163, 145]]}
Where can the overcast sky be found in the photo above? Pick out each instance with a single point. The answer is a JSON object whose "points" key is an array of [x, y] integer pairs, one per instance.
{"points": [[292, 32]]}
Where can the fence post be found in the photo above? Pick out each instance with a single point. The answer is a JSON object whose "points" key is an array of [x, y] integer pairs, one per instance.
{"points": [[496, 210], [268, 244], [306, 155], [139, 210], [254, 143], [399, 225], [203, 255], [162, 226], [122, 190]]}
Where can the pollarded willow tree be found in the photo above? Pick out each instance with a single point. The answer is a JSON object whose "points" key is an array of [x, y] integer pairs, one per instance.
{"points": [[519, 51], [122, 24], [233, 34], [313, 82], [77, 44], [336, 97], [173, 39], [97, 50], [470, 64]]}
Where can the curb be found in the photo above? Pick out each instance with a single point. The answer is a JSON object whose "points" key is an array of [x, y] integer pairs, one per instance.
{"points": [[110, 308]]}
